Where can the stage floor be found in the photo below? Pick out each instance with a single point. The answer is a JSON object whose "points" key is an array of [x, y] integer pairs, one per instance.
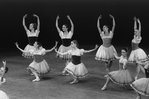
{"points": [[19, 83]]}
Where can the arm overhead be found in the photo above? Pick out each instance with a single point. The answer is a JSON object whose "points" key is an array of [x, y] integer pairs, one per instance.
{"points": [[135, 23], [38, 22], [113, 27], [72, 25], [24, 23], [98, 24], [58, 29], [139, 26]]}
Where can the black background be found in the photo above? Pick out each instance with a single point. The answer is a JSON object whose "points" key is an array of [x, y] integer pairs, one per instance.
{"points": [[84, 14]]}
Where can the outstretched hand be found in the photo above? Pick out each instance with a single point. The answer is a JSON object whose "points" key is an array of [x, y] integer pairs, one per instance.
{"points": [[25, 16], [56, 50], [4, 63], [96, 46], [35, 15], [111, 16], [17, 44], [100, 17], [57, 17], [68, 16], [135, 18], [56, 42]]}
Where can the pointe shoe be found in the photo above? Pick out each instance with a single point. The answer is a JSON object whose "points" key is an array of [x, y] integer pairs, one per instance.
{"points": [[35, 80], [103, 88], [74, 81]]}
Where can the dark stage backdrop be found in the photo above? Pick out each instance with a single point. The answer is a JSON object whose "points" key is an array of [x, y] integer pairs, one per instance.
{"points": [[84, 14]]}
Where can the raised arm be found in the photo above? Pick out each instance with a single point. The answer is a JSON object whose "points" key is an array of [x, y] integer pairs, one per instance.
{"points": [[52, 48], [24, 22], [72, 25], [38, 22], [98, 24], [58, 29], [88, 51], [113, 27], [17, 45], [138, 20], [135, 23]]}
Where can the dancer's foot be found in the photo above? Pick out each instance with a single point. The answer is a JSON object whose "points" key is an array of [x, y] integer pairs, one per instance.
{"points": [[103, 88], [74, 81], [35, 80]]}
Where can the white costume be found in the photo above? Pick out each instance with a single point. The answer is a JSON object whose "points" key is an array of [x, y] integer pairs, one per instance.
{"points": [[32, 38], [106, 50], [121, 76], [3, 95], [137, 54], [142, 85], [76, 67], [39, 65], [66, 40]]}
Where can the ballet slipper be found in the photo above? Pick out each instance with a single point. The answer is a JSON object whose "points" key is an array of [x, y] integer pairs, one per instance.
{"points": [[74, 81], [103, 88], [36, 80]]}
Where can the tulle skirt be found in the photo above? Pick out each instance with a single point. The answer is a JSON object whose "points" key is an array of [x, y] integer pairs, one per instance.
{"points": [[137, 55], [64, 49], [78, 71], [41, 68], [29, 49], [105, 53], [3, 95], [141, 86], [122, 77]]}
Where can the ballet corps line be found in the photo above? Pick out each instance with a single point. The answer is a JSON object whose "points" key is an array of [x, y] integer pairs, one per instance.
{"points": [[70, 52]]}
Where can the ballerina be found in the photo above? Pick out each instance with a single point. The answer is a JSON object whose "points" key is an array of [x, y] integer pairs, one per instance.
{"points": [[32, 34], [3, 71], [141, 86], [106, 50], [76, 68], [39, 66], [137, 53], [121, 76], [65, 36]]}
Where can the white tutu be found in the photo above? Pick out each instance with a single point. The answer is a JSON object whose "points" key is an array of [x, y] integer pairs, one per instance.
{"points": [[29, 50], [105, 53], [41, 68], [78, 71], [3, 95], [64, 49], [141, 86], [137, 55], [122, 77]]}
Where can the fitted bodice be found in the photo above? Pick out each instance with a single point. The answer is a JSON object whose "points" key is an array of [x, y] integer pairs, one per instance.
{"points": [[107, 39], [135, 42], [76, 59]]}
